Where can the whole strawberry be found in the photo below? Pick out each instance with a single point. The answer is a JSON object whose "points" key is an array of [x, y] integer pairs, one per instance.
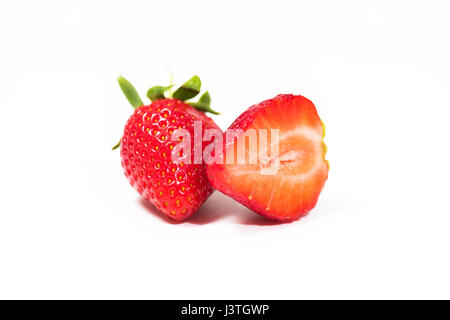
{"points": [[177, 188]]}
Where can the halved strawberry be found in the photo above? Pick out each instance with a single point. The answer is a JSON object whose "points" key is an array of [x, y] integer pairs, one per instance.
{"points": [[293, 189]]}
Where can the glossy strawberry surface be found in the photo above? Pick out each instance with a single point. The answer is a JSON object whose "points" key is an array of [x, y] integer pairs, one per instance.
{"points": [[177, 190]]}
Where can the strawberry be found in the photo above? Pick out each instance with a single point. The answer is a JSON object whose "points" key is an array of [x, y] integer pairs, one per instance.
{"points": [[177, 189], [293, 189]]}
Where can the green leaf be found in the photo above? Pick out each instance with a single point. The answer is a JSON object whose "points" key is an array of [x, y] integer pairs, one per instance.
{"points": [[189, 89], [130, 92], [204, 103], [205, 99], [117, 145], [157, 92]]}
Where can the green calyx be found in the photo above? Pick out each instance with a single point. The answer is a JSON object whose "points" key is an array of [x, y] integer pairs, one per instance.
{"points": [[157, 92], [203, 104], [188, 90], [130, 92], [117, 145]]}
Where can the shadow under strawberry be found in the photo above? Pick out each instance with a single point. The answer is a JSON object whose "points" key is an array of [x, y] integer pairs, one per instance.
{"points": [[216, 208]]}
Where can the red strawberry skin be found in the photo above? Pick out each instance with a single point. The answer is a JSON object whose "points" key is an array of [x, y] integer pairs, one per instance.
{"points": [[294, 190], [177, 190]]}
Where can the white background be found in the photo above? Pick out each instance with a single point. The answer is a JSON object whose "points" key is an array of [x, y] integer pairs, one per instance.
{"points": [[378, 72]]}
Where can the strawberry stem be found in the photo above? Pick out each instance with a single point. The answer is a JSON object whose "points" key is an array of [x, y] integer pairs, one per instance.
{"points": [[130, 92]]}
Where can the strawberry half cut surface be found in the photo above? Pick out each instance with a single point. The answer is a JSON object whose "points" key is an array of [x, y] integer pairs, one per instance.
{"points": [[273, 159]]}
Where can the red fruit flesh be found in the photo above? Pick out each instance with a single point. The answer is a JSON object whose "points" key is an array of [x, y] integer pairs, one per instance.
{"points": [[293, 190], [177, 190]]}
